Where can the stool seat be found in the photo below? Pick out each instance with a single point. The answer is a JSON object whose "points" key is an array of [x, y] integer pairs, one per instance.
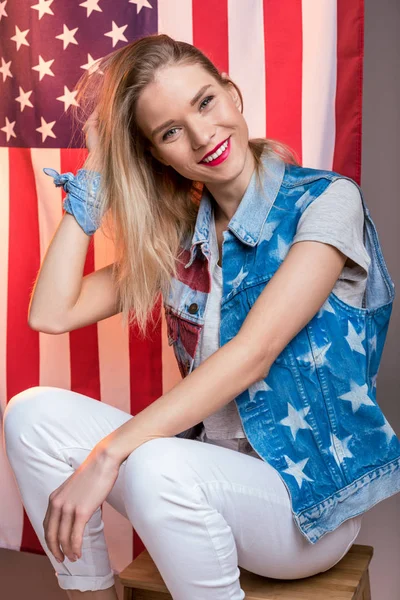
{"points": [[347, 580]]}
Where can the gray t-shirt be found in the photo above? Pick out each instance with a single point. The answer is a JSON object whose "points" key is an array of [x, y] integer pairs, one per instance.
{"points": [[336, 217]]}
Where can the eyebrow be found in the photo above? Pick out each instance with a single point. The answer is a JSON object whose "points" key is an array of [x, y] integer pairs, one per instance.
{"points": [[192, 102]]}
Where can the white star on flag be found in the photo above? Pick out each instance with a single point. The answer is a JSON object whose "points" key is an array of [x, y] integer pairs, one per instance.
{"points": [[91, 64], [19, 37], [23, 98], [9, 129], [67, 36], [339, 448], [46, 129], [358, 395], [90, 6], [3, 9], [387, 430], [117, 33], [140, 4], [5, 69], [296, 469], [355, 339], [68, 98], [295, 419], [43, 8], [44, 67]]}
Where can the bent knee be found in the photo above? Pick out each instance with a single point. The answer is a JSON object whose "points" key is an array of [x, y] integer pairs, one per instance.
{"points": [[26, 408]]}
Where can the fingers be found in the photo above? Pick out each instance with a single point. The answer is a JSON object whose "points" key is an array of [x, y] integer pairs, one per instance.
{"points": [[50, 525], [63, 531]]}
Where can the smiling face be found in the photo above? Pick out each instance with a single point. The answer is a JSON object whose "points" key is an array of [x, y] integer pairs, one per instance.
{"points": [[185, 113]]}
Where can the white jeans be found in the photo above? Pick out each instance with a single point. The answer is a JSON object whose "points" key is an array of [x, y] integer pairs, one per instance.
{"points": [[201, 509]]}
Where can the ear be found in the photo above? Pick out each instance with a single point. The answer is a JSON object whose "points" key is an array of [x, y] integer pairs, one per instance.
{"points": [[232, 90]]}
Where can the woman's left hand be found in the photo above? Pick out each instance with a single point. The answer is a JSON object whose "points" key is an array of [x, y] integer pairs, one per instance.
{"points": [[73, 503]]}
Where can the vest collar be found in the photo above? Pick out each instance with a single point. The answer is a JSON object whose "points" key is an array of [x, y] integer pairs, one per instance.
{"points": [[248, 220]]}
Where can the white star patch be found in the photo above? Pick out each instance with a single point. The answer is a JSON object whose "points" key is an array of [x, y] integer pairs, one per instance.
{"points": [[239, 278], [387, 430], [358, 395], [372, 343], [269, 229], [326, 307], [282, 249], [373, 380], [258, 386], [320, 358], [296, 469], [355, 339], [295, 419], [339, 448]]}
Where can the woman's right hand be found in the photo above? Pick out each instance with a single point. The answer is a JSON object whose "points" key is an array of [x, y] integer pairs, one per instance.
{"points": [[90, 130]]}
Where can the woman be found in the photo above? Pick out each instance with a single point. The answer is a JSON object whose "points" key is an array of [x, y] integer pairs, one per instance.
{"points": [[272, 447]]}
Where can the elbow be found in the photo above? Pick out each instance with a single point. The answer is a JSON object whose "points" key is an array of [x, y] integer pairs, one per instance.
{"points": [[258, 362], [44, 328]]}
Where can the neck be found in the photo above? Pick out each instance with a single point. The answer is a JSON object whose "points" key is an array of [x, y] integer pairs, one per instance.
{"points": [[228, 195]]}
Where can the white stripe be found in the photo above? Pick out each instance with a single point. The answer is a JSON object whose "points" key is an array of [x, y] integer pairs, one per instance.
{"points": [[114, 370], [319, 82], [246, 60], [175, 19], [54, 359], [11, 509]]}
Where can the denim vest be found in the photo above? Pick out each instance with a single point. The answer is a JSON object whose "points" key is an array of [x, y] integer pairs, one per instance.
{"points": [[315, 417]]}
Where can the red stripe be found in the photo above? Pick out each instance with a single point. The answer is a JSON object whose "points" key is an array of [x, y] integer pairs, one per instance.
{"points": [[210, 31], [283, 71], [350, 56], [84, 348], [22, 352]]}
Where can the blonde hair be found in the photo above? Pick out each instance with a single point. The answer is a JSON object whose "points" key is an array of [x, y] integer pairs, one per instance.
{"points": [[148, 206]]}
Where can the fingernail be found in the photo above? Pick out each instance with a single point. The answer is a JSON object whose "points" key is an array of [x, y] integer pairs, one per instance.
{"points": [[76, 557], [58, 559]]}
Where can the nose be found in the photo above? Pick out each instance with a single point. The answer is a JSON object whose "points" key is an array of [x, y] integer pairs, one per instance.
{"points": [[201, 135]]}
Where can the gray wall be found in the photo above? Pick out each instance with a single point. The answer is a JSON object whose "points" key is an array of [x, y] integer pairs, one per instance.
{"points": [[380, 170], [31, 576]]}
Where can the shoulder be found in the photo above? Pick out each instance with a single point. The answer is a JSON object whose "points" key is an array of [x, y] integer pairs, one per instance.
{"points": [[340, 200]]}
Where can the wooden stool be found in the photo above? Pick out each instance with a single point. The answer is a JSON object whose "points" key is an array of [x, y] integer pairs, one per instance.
{"points": [[348, 580]]}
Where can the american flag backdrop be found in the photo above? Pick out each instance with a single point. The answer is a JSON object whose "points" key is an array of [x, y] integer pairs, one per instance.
{"points": [[299, 65]]}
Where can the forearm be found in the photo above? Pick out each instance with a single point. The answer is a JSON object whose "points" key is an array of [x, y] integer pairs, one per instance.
{"points": [[60, 277], [213, 384]]}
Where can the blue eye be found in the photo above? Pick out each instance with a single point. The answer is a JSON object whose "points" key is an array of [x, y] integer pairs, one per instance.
{"points": [[166, 136], [205, 99]]}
